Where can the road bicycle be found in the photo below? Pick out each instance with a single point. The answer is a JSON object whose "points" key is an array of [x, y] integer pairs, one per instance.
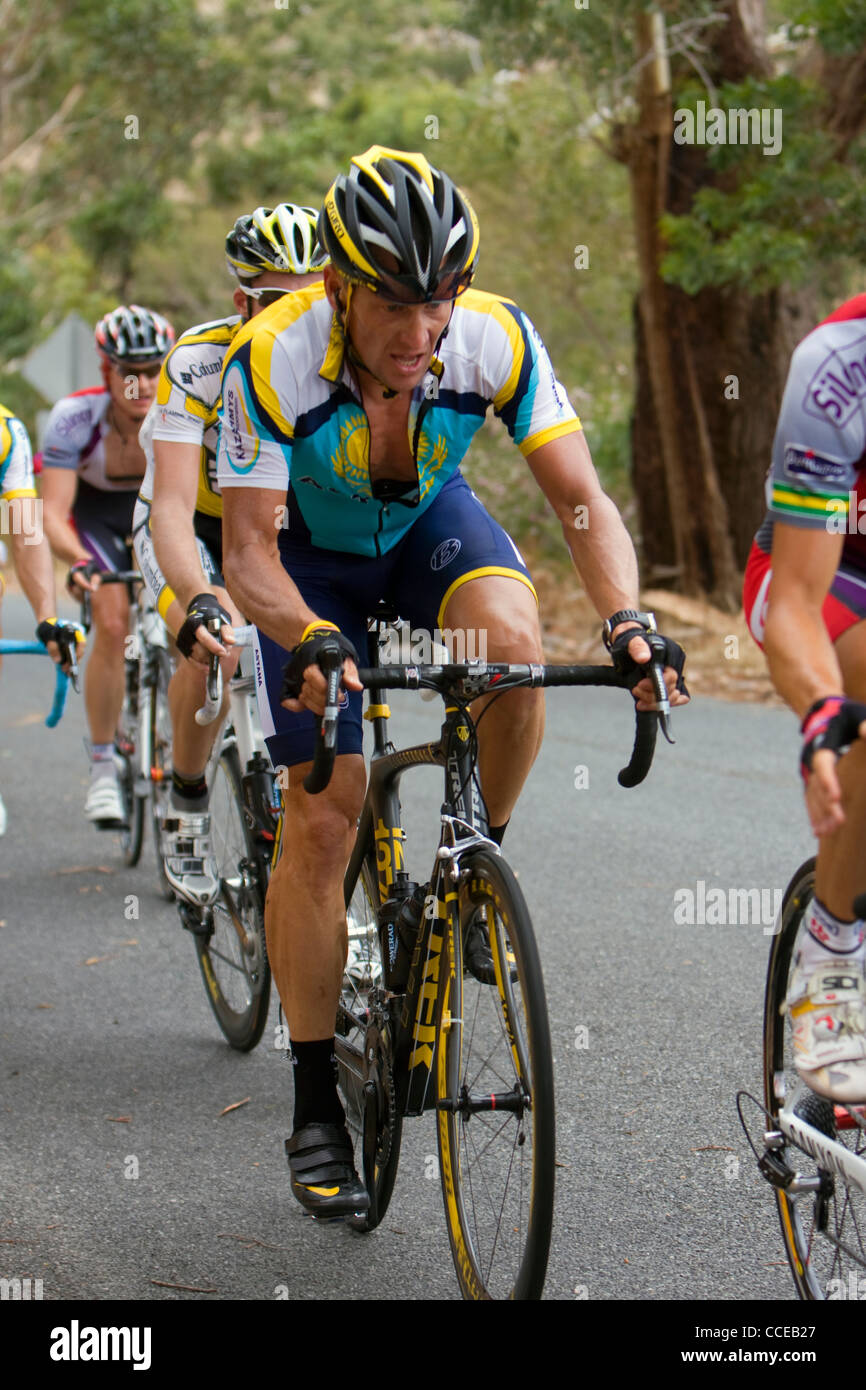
{"points": [[811, 1151], [143, 742], [244, 806], [442, 1003]]}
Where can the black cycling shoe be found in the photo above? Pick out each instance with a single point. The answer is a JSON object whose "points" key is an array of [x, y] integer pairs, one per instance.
{"points": [[477, 955], [322, 1165]]}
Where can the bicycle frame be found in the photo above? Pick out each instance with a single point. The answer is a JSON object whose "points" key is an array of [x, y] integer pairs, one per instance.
{"points": [[464, 827], [831, 1155]]}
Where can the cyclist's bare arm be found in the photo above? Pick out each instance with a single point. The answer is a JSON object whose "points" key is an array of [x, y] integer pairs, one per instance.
{"points": [[600, 545], [175, 487], [804, 666], [59, 488], [35, 572], [802, 659], [260, 586]]}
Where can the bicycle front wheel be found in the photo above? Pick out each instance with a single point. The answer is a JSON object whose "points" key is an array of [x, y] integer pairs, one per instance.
{"points": [[160, 759], [824, 1222], [126, 748], [364, 1046], [231, 948], [494, 1090]]}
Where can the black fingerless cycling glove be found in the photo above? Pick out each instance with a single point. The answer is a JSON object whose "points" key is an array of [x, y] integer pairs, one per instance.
{"points": [[832, 722], [306, 654], [664, 648], [202, 609]]}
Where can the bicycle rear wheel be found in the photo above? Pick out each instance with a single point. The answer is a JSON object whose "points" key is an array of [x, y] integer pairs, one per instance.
{"points": [[824, 1229], [495, 1097], [364, 1046], [230, 944]]}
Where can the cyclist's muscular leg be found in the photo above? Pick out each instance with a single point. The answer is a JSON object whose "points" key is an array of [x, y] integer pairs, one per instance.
{"points": [[104, 676], [501, 614], [841, 871], [305, 915]]}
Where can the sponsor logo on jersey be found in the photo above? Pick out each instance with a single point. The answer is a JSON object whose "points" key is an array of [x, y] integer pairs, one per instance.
{"points": [[205, 369], [445, 552], [240, 435], [839, 385], [67, 424], [805, 463]]}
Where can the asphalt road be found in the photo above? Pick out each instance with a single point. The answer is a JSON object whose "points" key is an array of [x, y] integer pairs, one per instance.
{"points": [[121, 1178]]}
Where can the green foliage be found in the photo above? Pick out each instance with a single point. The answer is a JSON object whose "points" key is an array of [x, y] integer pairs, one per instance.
{"points": [[794, 218], [239, 105], [17, 329], [839, 26]]}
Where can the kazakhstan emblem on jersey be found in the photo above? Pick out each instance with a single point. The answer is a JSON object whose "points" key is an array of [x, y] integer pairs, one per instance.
{"points": [[352, 459], [430, 460]]}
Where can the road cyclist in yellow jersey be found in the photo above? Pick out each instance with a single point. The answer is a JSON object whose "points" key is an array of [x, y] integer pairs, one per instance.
{"points": [[177, 523], [31, 553], [92, 469], [347, 412]]}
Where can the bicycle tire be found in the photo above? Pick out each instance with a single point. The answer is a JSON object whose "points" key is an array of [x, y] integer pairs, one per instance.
{"points": [[236, 974], [364, 1022], [126, 751], [160, 760], [824, 1233], [493, 1044]]}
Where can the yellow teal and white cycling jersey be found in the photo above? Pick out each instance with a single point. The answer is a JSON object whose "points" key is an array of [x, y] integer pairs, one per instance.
{"points": [[292, 416], [16, 460], [187, 404]]}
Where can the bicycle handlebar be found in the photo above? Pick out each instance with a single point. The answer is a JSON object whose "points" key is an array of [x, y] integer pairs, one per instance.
{"points": [[491, 677], [61, 677], [244, 637], [331, 661], [127, 577], [214, 692]]}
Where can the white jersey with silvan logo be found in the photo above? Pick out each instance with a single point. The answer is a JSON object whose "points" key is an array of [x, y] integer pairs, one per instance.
{"points": [[75, 439], [187, 404], [819, 450]]}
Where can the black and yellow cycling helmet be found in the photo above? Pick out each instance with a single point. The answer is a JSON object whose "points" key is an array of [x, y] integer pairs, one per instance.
{"points": [[281, 238], [400, 227]]}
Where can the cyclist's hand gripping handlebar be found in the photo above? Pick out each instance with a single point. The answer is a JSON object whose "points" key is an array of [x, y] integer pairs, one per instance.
{"points": [[330, 658], [328, 648]]}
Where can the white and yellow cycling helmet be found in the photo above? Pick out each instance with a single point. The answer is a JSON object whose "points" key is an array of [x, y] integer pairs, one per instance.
{"points": [[281, 239]]}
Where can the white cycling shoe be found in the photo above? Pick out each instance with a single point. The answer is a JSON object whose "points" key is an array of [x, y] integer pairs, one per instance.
{"points": [[190, 867], [827, 1007], [104, 805]]}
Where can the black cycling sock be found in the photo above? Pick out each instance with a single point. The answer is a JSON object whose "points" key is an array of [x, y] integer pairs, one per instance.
{"points": [[496, 832], [187, 790], [315, 1071]]}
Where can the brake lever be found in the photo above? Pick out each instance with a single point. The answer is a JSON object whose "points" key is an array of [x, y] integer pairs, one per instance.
{"points": [[656, 674], [663, 704]]}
